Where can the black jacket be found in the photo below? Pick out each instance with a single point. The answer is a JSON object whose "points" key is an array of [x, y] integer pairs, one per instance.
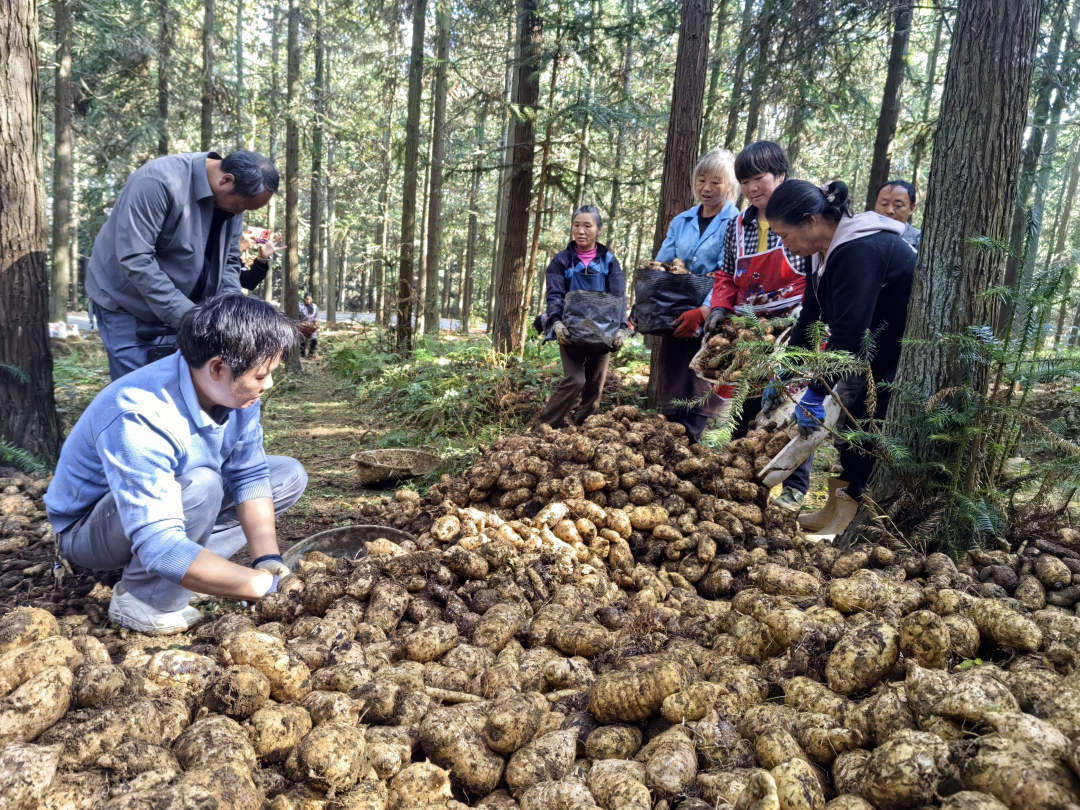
{"points": [[251, 277], [866, 286], [558, 285]]}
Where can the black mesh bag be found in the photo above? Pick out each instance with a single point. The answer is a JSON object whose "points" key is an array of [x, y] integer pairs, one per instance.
{"points": [[660, 298], [592, 318]]}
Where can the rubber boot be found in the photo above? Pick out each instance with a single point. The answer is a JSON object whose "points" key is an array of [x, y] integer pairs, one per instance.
{"points": [[812, 521], [843, 514]]}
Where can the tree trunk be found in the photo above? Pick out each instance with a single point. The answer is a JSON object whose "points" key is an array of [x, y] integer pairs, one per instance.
{"points": [[761, 68], [382, 227], [503, 199], [470, 245], [73, 281], [315, 232], [991, 57], [1032, 153], [164, 56], [438, 156], [683, 135], [206, 131], [240, 96], [928, 98], [61, 259], [620, 143], [290, 276], [509, 310], [1063, 230], [275, 94], [740, 71], [425, 195], [890, 102], [408, 194], [715, 70], [332, 289], [27, 409]]}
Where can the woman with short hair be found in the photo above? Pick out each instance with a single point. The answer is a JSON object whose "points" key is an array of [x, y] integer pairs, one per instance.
{"points": [[586, 264], [861, 285], [896, 200], [696, 237]]}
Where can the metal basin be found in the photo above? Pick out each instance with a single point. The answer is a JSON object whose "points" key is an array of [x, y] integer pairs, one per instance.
{"points": [[347, 541]]}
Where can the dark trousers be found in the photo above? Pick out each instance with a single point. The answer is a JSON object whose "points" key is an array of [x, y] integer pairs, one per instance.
{"points": [[310, 345], [800, 478], [585, 376], [858, 463]]}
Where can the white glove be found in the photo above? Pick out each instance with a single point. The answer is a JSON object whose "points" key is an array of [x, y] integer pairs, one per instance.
{"points": [[562, 334], [272, 563]]}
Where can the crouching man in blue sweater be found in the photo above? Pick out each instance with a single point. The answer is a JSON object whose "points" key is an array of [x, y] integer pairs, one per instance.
{"points": [[165, 476]]}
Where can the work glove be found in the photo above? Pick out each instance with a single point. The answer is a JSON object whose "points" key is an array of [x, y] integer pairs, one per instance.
{"points": [[562, 334], [272, 563], [618, 339], [772, 397], [689, 322], [715, 321], [810, 412]]}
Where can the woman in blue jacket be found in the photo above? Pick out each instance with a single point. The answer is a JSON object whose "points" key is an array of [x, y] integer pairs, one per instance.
{"points": [[696, 237], [584, 265]]}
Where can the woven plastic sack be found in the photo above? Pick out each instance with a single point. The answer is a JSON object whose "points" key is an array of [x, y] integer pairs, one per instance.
{"points": [[592, 318], [660, 298]]}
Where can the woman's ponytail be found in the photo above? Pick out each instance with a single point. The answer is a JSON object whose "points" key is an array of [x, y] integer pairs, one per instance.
{"points": [[796, 201]]}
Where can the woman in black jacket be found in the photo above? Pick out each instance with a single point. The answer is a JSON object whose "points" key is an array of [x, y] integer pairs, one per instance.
{"points": [[584, 265], [861, 283]]}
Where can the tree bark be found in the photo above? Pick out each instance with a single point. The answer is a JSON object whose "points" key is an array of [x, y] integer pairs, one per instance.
{"points": [[438, 157], [425, 196], [61, 263], [408, 194], [240, 74], [502, 198], [382, 225], [620, 143], [715, 70], [290, 276], [928, 98], [164, 44], [206, 126], [1062, 235], [315, 233], [73, 282], [972, 185], [470, 245], [766, 22], [333, 291], [509, 308], [740, 72], [275, 95], [28, 416], [890, 102], [683, 135]]}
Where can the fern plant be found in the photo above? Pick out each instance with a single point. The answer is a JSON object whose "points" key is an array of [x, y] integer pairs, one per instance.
{"points": [[13, 456]]}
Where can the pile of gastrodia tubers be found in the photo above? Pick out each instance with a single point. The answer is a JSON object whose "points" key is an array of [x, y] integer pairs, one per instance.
{"points": [[600, 617]]}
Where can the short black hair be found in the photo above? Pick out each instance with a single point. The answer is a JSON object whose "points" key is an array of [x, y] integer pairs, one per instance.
{"points": [[761, 157], [590, 209], [795, 201], [242, 330], [252, 173], [904, 184]]}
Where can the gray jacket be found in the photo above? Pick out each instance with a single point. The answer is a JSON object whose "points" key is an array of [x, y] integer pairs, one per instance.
{"points": [[149, 255]]}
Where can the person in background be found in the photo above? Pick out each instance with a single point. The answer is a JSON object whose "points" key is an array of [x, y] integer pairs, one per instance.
{"points": [[758, 271], [165, 476], [171, 240], [696, 236], [861, 283], [585, 265], [309, 313], [896, 200], [254, 272]]}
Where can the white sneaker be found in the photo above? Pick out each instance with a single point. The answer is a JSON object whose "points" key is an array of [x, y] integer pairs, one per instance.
{"points": [[136, 614]]}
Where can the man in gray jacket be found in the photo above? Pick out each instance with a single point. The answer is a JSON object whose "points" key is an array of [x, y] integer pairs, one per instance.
{"points": [[171, 241]]}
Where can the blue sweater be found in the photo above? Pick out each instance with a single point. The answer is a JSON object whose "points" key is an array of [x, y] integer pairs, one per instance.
{"points": [[700, 252], [137, 437]]}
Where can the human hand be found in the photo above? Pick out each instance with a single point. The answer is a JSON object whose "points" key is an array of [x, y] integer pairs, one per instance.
{"points": [[772, 397], [272, 563], [270, 247], [810, 412], [689, 322], [562, 334], [715, 321], [618, 340]]}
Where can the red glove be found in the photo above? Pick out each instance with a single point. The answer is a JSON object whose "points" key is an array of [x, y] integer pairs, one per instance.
{"points": [[689, 322]]}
